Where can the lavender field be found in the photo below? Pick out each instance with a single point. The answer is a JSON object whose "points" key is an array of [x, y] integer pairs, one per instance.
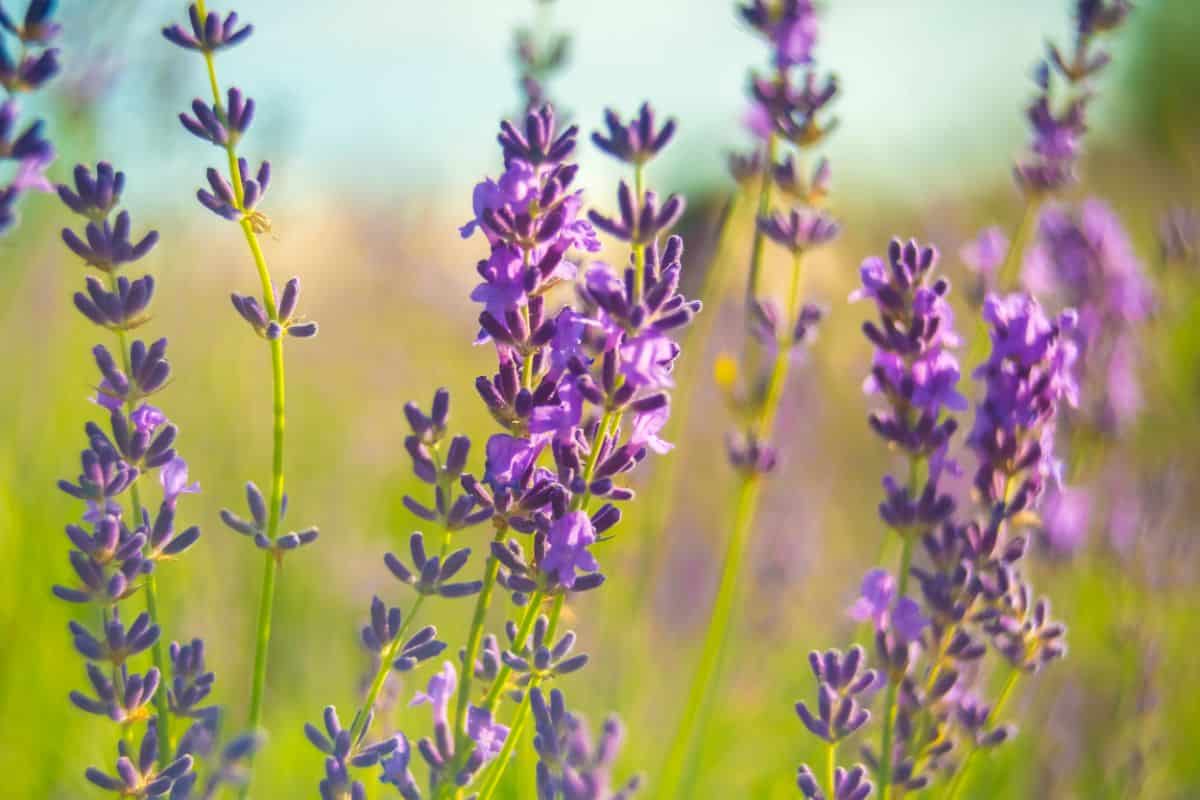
{"points": [[570, 400]]}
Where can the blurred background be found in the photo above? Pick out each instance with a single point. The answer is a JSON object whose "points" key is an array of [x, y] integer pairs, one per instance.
{"points": [[379, 118]]}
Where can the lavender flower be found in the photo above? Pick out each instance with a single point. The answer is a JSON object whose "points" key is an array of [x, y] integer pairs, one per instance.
{"points": [[119, 556], [1028, 373], [1055, 143], [210, 34], [570, 767]]}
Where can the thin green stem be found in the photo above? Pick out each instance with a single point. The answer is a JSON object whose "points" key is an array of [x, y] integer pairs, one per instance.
{"points": [[474, 639], [266, 604], [783, 354], [531, 613], [956, 784], [639, 250], [889, 703], [764, 209], [662, 478], [830, 767], [385, 667], [496, 772], [1009, 273], [705, 678]]}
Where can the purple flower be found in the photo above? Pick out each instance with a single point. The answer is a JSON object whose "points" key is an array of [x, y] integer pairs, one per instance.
{"points": [[907, 620], [986, 252], [438, 693], [1029, 373], [513, 191], [1066, 517], [146, 418], [875, 601], [488, 736], [560, 419], [174, 479], [647, 359], [396, 768], [508, 459], [503, 281], [646, 427], [567, 548]]}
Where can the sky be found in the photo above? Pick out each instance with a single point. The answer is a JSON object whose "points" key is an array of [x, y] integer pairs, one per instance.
{"points": [[391, 100]]}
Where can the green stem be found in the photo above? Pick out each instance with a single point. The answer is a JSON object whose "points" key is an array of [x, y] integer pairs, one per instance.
{"points": [[517, 727], [889, 704], [1009, 275], [639, 250], [764, 210], [531, 613], [474, 639], [830, 767], [662, 478], [157, 651], [959, 781], [271, 561], [385, 667], [779, 371], [705, 678]]}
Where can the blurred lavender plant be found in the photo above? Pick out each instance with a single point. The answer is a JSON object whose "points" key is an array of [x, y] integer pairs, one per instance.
{"points": [[931, 652], [34, 65], [789, 108], [118, 557], [1085, 260], [539, 53], [1058, 121], [235, 197]]}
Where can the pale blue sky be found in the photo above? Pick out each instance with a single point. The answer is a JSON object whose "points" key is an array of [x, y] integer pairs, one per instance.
{"points": [[397, 98]]}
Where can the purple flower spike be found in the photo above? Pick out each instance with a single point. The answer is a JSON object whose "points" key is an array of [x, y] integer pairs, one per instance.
{"points": [[1029, 373], [210, 34], [637, 142]]}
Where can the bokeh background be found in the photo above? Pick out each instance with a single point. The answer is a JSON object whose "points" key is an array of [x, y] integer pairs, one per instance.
{"points": [[379, 118]]}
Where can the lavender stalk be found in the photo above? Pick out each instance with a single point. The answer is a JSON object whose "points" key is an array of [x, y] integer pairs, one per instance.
{"points": [[114, 560], [1057, 136], [223, 124], [788, 107]]}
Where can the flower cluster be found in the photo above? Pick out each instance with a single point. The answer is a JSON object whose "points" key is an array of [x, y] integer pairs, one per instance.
{"points": [[1057, 132], [1085, 260], [570, 766], [565, 382], [116, 554], [931, 650], [26, 148], [789, 107]]}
